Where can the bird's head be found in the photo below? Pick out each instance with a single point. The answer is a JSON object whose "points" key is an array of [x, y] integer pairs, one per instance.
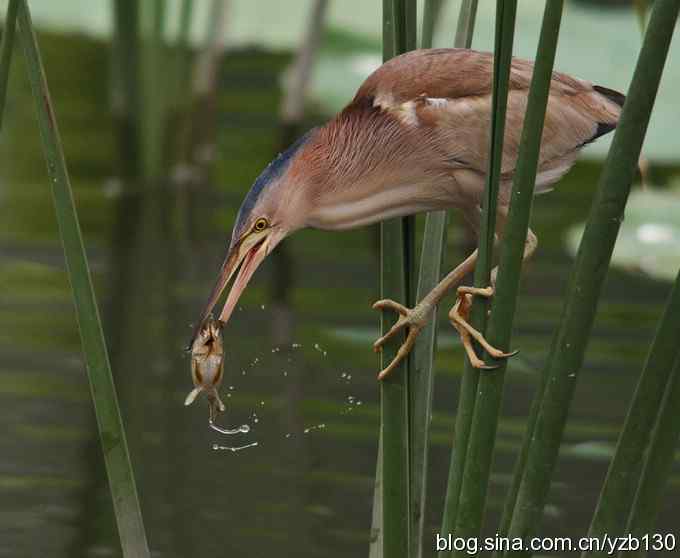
{"points": [[274, 207]]}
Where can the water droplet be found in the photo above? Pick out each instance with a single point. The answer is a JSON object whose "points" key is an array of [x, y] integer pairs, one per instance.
{"points": [[231, 388], [234, 448], [262, 403], [359, 402], [315, 427], [285, 373], [296, 345], [256, 420], [288, 435], [262, 306]]}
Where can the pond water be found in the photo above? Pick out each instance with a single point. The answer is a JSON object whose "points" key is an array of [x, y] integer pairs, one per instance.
{"points": [[299, 368]]}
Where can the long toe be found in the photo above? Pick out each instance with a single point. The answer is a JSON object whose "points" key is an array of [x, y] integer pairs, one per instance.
{"points": [[396, 328], [402, 353], [387, 304]]}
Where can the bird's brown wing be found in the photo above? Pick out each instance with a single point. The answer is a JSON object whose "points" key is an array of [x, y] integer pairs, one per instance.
{"points": [[449, 92]]}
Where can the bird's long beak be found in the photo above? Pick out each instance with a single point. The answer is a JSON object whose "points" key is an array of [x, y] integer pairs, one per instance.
{"points": [[246, 254]]}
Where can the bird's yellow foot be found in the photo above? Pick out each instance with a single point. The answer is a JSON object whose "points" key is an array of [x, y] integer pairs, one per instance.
{"points": [[459, 316], [412, 318]]}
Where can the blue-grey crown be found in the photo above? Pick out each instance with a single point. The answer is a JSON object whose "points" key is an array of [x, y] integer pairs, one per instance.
{"points": [[265, 181]]}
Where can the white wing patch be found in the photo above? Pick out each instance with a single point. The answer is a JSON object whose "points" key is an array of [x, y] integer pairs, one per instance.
{"points": [[408, 112]]}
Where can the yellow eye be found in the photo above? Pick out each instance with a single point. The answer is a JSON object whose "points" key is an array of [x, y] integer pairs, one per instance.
{"points": [[260, 225]]}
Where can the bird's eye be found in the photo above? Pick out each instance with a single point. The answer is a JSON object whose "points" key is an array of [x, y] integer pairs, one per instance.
{"points": [[260, 225]]}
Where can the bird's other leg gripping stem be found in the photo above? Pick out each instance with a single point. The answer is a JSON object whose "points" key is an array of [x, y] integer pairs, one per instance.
{"points": [[459, 316]]}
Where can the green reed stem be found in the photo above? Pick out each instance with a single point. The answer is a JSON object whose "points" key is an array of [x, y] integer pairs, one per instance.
{"points": [[431, 11], [396, 261], [109, 421], [465, 24], [618, 492], [421, 379], [6, 49], [659, 462], [422, 374], [569, 344], [473, 488], [510, 265]]}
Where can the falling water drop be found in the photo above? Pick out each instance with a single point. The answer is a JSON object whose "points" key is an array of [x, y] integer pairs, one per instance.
{"points": [[217, 447]]}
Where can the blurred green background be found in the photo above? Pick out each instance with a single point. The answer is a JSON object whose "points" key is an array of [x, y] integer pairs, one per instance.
{"points": [[298, 349]]}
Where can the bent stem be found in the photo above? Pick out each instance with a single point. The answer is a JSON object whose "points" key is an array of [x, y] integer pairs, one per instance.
{"points": [[618, 492], [109, 421]]}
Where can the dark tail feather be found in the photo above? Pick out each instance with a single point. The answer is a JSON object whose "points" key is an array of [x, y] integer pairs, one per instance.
{"points": [[613, 96], [602, 127]]}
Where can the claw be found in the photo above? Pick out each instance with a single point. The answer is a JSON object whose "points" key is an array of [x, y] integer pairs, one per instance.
{"points": [[378, 345], [402, 353], [408, 318], [459, 319]]}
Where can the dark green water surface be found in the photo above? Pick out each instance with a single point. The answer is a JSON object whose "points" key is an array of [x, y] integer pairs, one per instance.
{"points": [[292, 365]]}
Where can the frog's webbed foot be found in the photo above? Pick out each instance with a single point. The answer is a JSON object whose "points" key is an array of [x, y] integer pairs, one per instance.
{"points": [[215, 405], [192, 395]]}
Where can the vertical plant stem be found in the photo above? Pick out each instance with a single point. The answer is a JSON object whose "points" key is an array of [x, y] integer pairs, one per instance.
{"points": [[431, 11], [112, 435], [465, 24], [6, 49], [659, 462], [468, 385], [566, 355], [375, 549], [482, 435], [515, 234], [422, 373], [421, 379], [618, 492], [396, 243]]}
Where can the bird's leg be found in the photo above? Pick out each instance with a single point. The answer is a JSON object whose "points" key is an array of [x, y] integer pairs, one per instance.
{"points": [[414, 319], [460, 313]]}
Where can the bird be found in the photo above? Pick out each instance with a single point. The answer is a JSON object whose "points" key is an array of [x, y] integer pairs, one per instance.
{"points": [[415, 138]]}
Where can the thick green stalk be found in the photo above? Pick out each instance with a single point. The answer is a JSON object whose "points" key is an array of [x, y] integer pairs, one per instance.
{"points": [[472, 499], [515, 234], [465, 24], [421, 379], [566, 355], [6, 49], [658, 464], [431, 11], [422, 373], [112, 435], [396, 251], [618, 491], [468, 385]]}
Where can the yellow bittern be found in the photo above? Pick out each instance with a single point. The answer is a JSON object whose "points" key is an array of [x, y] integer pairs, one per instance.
{"points": [[415, 138]]}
